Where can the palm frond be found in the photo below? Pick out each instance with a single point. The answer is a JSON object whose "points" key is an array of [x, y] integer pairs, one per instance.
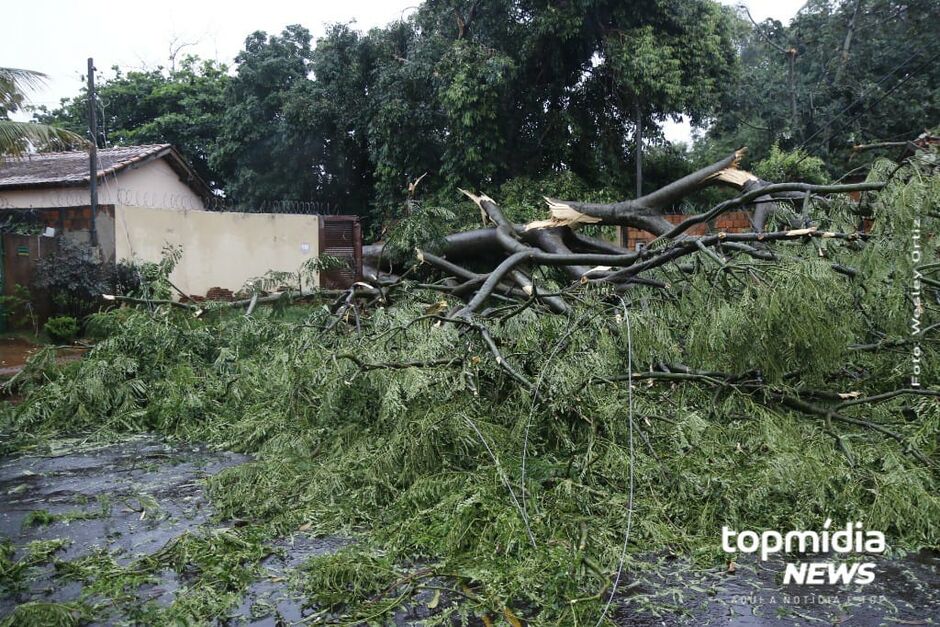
{"points": [[14, 85], [17, 139], [23, 80]]}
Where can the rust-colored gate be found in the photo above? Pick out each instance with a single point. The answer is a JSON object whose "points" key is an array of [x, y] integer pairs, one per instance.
{"points": [[341, 237], [20, 255]]}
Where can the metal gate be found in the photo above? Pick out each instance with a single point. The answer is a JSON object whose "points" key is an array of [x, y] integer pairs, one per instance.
{"points": [[341, 236], [20, 254]]}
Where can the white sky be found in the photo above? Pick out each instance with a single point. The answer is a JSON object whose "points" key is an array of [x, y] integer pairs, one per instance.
{"points": [[57, 36]]}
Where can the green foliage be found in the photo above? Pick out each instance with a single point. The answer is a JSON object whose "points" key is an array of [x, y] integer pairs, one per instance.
{"points": [[855, 79], [75, 277], [785, 166], [13, 572], [522, 199], [16, 309], [47, 614], [762, 327], [411, 462], [354, 118], [477, 77], [18, 139], [182, 105], [148, 279], [478, 94], [62, 329], [304, 277], [38, 518], [260, 151], [423, 228], [350, 574], [216, 565]]}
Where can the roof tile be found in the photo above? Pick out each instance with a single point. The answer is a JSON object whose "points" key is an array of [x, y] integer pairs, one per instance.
{"points": [[70, 168]]}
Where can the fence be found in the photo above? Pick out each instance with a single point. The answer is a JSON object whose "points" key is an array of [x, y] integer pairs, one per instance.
{"points": [[341, 237], [731, 222], [220, 250], [299, 207]]}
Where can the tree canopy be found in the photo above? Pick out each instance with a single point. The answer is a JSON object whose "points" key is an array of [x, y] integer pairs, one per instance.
{"points": [[479, 94], [473, 93], [182, 106], [862, 70]]}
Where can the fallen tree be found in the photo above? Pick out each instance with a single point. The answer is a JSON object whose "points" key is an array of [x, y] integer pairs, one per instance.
{"points": [[554, 242], [528, 462]]}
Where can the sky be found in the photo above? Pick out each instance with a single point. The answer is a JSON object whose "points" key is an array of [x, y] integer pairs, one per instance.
{"points": [[56, 37]]}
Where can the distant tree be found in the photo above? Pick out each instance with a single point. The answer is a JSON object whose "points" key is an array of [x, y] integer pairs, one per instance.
{"points": [[261, 154], [472, 93], [863, 70], [530, 88], [18, 138], [296, 125], [183, 106]]}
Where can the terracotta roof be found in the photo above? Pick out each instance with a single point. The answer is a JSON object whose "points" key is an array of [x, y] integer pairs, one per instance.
{"points": [[70, 169]]}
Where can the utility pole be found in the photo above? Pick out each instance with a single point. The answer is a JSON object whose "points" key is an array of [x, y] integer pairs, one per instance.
{"points": [[791, 80], [639, 148], [93, 152]]}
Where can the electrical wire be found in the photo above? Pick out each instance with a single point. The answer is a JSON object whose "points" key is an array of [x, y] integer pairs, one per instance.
{"points": [[538, 384], [502, 476], [858, 100], [626, 535]]}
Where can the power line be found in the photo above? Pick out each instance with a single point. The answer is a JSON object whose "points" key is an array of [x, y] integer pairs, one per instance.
{"points": [[906, 78], [858, 100]]}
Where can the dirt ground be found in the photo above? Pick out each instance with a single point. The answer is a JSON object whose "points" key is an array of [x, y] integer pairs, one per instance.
{"points": [[14, 351]]}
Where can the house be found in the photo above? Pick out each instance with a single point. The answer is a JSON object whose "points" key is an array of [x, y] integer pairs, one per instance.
{"points": [[153, 175], [149, 197], [52, 189]]}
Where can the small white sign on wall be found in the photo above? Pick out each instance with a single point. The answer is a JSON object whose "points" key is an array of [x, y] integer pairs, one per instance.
{"points": [[305, 248]]}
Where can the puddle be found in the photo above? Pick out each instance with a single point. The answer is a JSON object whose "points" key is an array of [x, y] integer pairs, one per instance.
{"points": [[133, 498], [130, 500], [268, 600], [905, 592]]}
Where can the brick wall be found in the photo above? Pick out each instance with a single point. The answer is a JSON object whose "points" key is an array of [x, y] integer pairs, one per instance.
{"points": [[62, 219], [731, 222], [70, 219]]}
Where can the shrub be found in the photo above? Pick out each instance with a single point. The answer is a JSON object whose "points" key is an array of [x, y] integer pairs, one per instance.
{"points": [[16, 309], [62, 329], [75, 277], [782, 165]]}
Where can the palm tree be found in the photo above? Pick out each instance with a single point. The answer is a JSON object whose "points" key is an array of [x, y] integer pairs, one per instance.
{"points": [[17, 139]]}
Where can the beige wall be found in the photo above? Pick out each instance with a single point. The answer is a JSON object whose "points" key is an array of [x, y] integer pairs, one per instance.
{"points": [[219, 249], [152, 184]]}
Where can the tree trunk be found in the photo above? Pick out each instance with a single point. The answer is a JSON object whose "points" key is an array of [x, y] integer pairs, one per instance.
{"points": [[514, 253]]}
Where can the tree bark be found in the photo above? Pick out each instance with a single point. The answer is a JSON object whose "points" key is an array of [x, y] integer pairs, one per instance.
{"points": [[512, 253]]}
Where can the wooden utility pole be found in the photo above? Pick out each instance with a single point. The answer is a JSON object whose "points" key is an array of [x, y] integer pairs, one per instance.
{"points": [[791, 81], [639, 149], [93, 152]]}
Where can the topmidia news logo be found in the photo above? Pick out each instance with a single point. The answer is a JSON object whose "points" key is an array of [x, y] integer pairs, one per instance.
{"points": [[850, 539]]}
